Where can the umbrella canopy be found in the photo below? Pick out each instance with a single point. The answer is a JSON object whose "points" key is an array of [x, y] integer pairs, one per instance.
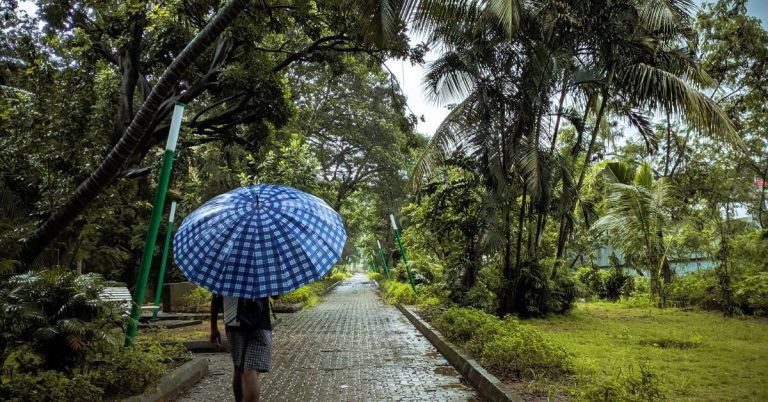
{"points": [[259, 241]]}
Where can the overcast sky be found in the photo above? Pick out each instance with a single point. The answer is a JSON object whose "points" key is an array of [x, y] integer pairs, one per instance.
{"points": [[410, 79]]}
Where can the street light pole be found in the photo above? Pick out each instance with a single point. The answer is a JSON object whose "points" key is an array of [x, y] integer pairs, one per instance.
{"points": [[154, 223], [402, 251], [161, 275], [383, 260]]}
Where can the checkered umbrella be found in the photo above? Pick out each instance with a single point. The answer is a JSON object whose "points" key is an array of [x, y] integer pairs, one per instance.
{"points": [[259, 241]]}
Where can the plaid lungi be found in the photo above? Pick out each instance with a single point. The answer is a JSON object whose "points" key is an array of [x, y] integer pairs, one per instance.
{"points": [[250, 348]]}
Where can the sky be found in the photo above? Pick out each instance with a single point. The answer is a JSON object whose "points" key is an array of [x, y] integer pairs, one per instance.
{"points": [[410, 79]]}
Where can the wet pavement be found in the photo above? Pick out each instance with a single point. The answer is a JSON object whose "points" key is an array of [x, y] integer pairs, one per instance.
{"points": [[350, 347]]}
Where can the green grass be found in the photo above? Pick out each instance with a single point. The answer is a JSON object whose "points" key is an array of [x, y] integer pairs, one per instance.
{"points": [[699, 356]]}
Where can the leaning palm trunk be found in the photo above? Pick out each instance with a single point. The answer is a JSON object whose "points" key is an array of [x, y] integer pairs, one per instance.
{"points": [[111, 166]]}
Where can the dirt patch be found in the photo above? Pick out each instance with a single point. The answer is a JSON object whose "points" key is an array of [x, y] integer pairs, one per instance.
{"points": [[446, 370]]}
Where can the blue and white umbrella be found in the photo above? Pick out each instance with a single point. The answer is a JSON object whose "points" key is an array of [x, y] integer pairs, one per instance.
{"points": [[259, 241]]}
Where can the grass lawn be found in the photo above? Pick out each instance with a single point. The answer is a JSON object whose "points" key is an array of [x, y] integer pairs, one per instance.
{"points": [[699, 356]]}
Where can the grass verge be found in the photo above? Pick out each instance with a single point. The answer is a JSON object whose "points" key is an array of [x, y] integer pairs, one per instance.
{"points": [[697, 355]]}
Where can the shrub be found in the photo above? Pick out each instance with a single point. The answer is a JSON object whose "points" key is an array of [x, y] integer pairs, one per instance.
{"points": [[375, 276], [524, 353], [751, 293], [616, 283], [129, 372], [460, 324], [57, 316], [607, 284], [644, 387], [591, 280], [506, 346], [338, 276], [50, 386], [197, 301], [304, 294], [399, 292], [696, 289]]}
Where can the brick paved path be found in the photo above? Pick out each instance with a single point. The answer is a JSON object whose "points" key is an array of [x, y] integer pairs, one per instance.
{"points": [[350, 347]]}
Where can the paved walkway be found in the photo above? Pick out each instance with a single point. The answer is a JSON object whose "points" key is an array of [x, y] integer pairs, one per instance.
{"points": [[350, 347]]}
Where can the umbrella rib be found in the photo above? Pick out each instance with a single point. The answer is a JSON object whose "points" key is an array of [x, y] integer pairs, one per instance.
{"points": [[297, 222], [286, 233]]}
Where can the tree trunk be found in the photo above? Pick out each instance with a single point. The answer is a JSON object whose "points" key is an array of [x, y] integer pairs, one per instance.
{"points": [[563, 93], [111, 166], [564, 229], [520, 222], [506, 304]]}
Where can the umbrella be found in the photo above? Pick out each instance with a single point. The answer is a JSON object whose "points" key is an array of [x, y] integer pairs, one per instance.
{"points": [[258, 241]]}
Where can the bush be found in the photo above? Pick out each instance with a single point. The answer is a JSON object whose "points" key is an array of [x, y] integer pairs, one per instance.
{"points": [[644, 387], [375, 276], [696, 289], [128, 373], [305, 294], [607, 284], [338, 276], [197, 301], [460, 324], [751, 293], [57, 317], [591, 281], [506, 346], [399, 292], [50, 386]]}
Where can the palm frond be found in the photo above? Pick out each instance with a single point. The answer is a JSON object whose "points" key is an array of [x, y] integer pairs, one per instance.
{"points": [[618, 172], [665, 16], [536, 171], [508, 13], [446, 138], [658, 88], [643, 125], [449, 78]]}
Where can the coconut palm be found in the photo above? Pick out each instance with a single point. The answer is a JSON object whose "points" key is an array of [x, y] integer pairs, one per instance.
{"points": [[636, 217]]}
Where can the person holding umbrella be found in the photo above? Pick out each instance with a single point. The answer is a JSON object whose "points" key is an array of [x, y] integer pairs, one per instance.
{"points": [[246, 245]]}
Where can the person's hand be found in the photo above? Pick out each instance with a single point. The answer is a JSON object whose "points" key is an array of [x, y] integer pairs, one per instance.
{"points": [[216, 339]]}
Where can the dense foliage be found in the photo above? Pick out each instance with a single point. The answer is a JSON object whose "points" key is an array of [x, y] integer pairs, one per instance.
{"points": [[59, 340]]}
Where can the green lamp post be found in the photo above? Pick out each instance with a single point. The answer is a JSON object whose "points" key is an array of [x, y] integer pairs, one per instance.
{"points": [[383, 260], [402, 251], [154, 222], [161, 275]]}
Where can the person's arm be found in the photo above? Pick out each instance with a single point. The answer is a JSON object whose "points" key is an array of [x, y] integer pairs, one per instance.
{"points": [[215, 338]]}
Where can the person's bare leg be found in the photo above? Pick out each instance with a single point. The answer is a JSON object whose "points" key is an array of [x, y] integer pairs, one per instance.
{"points": [[250, 381], [237, 385]]}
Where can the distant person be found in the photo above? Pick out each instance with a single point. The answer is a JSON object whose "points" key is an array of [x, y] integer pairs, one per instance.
{"points": [[249, 331]]}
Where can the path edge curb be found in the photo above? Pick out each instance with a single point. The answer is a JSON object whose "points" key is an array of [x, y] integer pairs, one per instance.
{"points": [[489, 386], [176, 382]]}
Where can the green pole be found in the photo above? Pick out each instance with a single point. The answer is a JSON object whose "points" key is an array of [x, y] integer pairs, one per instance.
{"points": [[154, 223], [383, 260], [161, 276], [402, 251]]}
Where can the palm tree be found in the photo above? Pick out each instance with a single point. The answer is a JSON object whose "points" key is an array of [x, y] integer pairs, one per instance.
{"points": [[386, 19], [636, 217], [642, 59]]}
